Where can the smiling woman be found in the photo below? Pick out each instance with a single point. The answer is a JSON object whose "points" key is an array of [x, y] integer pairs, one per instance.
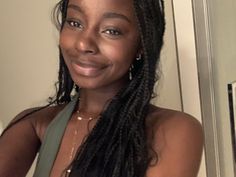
{"points": [[96, 59], [101, 122]]}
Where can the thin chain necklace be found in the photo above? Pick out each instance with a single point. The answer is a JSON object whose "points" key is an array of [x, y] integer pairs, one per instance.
{"points": [[73, 149], [87, 119]]}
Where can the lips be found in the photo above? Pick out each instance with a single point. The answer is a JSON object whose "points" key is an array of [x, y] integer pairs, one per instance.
{"points": [[87, 68]]}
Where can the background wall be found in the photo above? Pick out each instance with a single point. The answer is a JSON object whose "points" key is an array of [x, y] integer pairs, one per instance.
{"points": [[28, 55]]}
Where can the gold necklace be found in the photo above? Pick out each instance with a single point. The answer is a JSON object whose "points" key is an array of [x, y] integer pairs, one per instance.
{"points": [[72, 153], [86, 119]]}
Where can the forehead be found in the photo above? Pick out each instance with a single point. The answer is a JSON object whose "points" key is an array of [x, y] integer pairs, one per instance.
{"points": [[124, 6]]}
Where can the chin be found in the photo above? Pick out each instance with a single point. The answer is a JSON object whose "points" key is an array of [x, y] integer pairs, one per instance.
{"points": [[88, 84]]}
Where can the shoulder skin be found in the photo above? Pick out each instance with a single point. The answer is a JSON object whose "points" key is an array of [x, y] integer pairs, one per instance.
{"points": [[177, 138], [20, 142]]}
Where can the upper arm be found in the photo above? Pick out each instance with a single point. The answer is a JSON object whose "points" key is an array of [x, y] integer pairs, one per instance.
{"points": [[181, 140], [18, 147]]}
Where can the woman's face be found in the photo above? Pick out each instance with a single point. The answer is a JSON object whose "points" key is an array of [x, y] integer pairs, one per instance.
{"points": [[99, 42]]}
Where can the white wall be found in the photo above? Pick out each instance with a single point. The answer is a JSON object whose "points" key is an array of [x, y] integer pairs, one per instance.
{"points": [[168, 87], [28, 55]]}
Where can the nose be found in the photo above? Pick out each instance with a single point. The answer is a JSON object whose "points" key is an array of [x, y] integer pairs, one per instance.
{"points": [[86, 43]]}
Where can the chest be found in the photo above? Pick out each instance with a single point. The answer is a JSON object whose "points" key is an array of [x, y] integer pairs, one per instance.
{"points": [[75, 134]]}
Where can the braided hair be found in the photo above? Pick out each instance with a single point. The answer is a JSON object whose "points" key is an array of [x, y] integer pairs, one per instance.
{"points": [[117, 145]]}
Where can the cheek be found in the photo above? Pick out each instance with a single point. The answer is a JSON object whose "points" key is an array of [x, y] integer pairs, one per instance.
{"points": [[65, 40], [120, 53], [66, 44]]}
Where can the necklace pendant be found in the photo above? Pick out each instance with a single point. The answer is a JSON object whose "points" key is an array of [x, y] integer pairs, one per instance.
{"points": [[88, 119], [79, 118], [68, 172]]}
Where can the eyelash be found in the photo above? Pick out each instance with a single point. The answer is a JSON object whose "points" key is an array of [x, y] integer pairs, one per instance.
{"points": [[77, 24], [113, 32]]}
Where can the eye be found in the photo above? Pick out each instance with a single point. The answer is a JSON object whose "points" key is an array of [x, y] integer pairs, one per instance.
{"points": [[74, 24], [113, 32]]}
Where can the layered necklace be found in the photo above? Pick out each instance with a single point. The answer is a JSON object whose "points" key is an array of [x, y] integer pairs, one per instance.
{"points": [[74, 139]]}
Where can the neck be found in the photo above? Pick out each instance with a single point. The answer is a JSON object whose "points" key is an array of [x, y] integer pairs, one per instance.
{"points": [[94, 101]]}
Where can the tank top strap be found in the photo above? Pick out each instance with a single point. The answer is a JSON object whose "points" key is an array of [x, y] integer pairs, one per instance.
{"points": [[52, 139]]}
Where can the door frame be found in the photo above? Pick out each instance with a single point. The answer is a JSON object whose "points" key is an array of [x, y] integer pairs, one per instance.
{"points": [[187, 43], [213, 150]]}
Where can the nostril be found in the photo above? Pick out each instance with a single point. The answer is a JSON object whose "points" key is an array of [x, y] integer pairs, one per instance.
{"points": [[90, 51]]}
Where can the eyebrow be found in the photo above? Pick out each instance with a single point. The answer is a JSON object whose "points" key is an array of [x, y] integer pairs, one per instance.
{"points": [[116, 15], [106, 15], [74, 7]]}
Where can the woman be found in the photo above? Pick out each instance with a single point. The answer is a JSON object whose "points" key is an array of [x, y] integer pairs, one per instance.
{"points": [[108, 56]]}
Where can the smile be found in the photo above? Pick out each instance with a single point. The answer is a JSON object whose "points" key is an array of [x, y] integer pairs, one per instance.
{"points": [[88, 69]]}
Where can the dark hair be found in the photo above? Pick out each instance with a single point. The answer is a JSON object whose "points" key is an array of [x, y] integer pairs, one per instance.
{"points": [[117, 145]]}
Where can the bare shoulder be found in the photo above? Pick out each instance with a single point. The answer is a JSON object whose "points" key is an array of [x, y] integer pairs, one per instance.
{"points": [[177, 138], [169, 121], [21, 140], [38, 117]]}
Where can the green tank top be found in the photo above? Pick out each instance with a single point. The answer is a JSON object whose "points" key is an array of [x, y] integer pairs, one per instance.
{"points": [[52, 139]]}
